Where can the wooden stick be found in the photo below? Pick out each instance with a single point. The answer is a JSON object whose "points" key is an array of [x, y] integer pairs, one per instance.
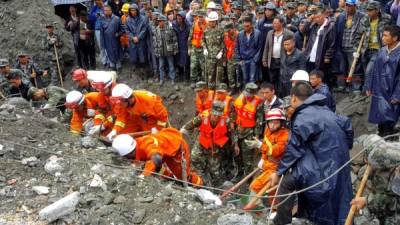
{"points": [[58, 66], [266, 189], [236, 186], [354, 63], [304, 43], [140, 133], [350, 216]]}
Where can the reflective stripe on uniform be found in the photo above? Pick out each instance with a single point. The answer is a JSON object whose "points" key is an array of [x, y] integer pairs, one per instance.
{"points": [[120, 124], [99, 116], [161, 123]]}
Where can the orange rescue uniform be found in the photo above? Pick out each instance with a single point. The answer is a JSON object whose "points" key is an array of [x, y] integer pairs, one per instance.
{"points": [[174, 152], [272, 150], [147, 112], [124, 39], [204, 104], [246, 111], [93, 101], [198, 32], [210, 136]]}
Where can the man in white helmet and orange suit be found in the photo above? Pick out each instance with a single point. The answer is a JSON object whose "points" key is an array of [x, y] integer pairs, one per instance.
{"points": [[165, 152]]}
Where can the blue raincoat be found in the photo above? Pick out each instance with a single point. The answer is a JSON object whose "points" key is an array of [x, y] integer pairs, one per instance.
{"points": [[330, 100], [182, 33], [318, 145], [137, 26], [110, 31], [383, 82]]}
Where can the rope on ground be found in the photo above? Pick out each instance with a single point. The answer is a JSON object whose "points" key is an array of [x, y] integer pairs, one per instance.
{"points": [[203, 186]]}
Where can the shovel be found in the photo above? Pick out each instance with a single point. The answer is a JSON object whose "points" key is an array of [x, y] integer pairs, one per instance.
{"points": [[350, 216], [236, 186], [354, 63]]}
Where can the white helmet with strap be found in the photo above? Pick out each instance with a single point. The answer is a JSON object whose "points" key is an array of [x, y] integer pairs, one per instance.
{"points": [[122, 91], [74, 99], [275, 114], [124, 144]]}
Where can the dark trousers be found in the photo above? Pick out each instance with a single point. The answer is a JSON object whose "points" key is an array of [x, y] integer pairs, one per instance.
{"points": [[284, 89], [284, 210], [386, 129], [274, 72], [87, 53]]}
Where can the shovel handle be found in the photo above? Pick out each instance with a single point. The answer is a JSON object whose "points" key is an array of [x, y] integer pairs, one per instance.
{"points": [[236, 186], [350, 216], [265, 189]]}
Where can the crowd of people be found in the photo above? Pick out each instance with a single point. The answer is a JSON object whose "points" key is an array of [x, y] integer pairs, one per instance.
{"points": [[264, 76]]}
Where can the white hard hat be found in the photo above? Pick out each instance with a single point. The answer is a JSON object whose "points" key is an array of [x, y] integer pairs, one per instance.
{"points": [[211, 5], [124, 144], [74, 98], [122, 91], [300, 75], [100, 79], [212, 16]]}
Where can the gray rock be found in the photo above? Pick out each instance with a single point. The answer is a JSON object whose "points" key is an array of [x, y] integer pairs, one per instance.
{"points": [[119, 199], [108, 197], [364, 220], [31, 161], [235, 219], [353, 177], [139, 216], [40, 190], [54, 165], [146, 199], [60, 208], [173, 97], [98, 168], [88, 142]]}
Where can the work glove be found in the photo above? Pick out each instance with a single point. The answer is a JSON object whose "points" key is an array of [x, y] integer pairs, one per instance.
{"points": [[219, 55], [184, 131], [94, 130], [356, 55], [111, 135], [154, 130], [52, 41], [91, 112], [253, 143], [205, 52], [260, 164]]}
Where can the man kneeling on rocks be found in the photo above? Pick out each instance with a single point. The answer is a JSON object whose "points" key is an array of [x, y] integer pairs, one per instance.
{"points": [[165, 152]]}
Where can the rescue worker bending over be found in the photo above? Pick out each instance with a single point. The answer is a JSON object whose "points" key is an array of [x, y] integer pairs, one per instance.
{"points": [[146, 107], [164, 152]]}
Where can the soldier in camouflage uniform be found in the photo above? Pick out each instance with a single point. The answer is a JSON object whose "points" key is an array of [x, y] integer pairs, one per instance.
{"points": [[212, 144], [52, 39], [229, 60], [372, 25], [55, 100], [212, 42], [31, 70], [383, 193], [196, 47], [291, 18], [248, 119]]}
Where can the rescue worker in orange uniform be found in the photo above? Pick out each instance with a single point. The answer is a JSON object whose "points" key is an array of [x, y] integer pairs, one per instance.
{"points": [[124, 39], [213, 141], [204, 97], [146, 108], [230, 62], [164, 152], [81, 81], [272, 148], [195, 47], [83, 108], [103, 119], [248, 117]]}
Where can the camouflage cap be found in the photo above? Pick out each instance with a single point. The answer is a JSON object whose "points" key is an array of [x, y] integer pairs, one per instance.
{"points": [[161, 18], [373, 5], [251, 88], [225, 17], [47, 25], [222, 87], [202, 12], [200, 86], [195, 12], [260, 9], [236, 5], [31, 92], [218, 108], [291, 5], [233, 16], [270, 6], [302, 2], [218, 6], [22, 54], [228, 26], [4, 62]]}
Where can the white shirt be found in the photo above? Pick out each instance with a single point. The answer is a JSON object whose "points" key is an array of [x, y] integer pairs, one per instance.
{"points": [[276, 47], [313, 53]]}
